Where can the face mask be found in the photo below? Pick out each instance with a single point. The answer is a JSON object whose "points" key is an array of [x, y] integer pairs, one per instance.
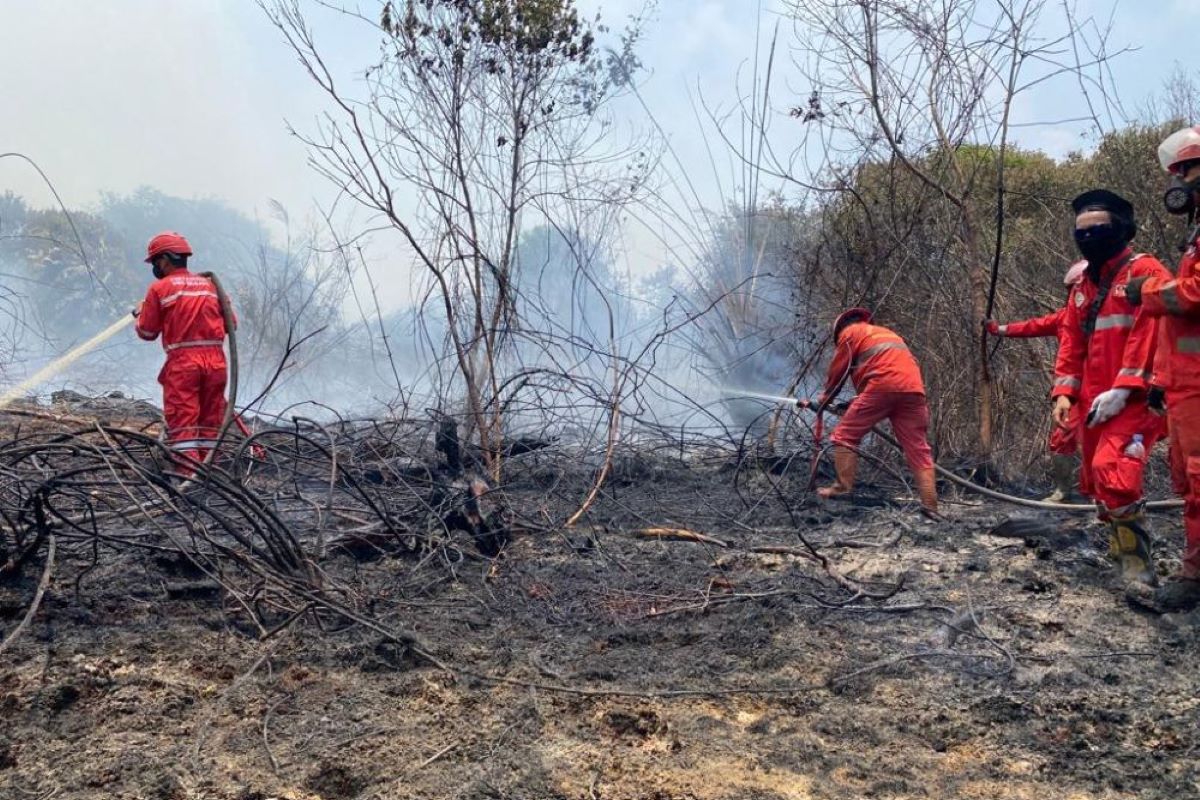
{"points": [[1180, 196], [1099, 243], [158, 273]]}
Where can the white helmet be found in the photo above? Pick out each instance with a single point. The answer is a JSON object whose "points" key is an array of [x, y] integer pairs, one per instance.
{"points": [[1182, 145]]}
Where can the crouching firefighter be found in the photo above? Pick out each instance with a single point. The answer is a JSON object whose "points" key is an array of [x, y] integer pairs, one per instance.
{"points": [[1064, 442], [1176, 301], [185, 310], [889, 386], [1105, 364]]}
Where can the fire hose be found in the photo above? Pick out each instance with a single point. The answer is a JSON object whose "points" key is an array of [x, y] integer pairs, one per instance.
{"points": [[1069, 508], [232, 379]]}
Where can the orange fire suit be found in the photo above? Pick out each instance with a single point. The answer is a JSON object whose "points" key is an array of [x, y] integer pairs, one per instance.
{"points": [[889, 386], [1177, 370], [1063, 441], [1118, 354], [183, 308]]}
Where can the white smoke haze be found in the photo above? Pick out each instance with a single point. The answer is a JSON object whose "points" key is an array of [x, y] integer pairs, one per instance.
{"points": [[695, 282]]}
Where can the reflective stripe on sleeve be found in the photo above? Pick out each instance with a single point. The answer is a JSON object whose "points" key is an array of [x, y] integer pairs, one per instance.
{"points": [[1067, 380], [1187, 344], [1170, 297], [1130, 372]]}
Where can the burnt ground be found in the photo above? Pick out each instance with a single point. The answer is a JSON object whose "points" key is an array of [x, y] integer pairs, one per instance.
{"points": [[603, 661]]}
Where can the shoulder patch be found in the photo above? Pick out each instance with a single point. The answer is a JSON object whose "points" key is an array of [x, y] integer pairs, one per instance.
{"points": [[1078, 298]]}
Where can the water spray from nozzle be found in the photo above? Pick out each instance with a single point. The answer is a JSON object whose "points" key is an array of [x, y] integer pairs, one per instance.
{"points": [[62, 362], [731, 392]]}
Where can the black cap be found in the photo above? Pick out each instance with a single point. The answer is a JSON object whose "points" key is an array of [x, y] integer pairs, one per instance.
{"points": [[1113, 203]]}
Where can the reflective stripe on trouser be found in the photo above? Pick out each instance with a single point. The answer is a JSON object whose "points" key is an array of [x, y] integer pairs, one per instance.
{"points": [[1183, 413], [908, 413], [1107, 474], [193, 381]]}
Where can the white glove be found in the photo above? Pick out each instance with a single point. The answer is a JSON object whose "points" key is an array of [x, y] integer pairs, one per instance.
{"points": [[1107, 405]]}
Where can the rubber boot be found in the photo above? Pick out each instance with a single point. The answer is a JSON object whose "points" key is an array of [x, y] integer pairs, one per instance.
{"points": [[1134, 543], [845, 466], [925, 481], [1179, 594], [1182, 590], [1063, 472], [1114, 545]]}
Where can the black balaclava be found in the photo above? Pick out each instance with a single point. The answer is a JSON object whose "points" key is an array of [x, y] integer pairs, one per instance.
{"points": [[1099, 243]]}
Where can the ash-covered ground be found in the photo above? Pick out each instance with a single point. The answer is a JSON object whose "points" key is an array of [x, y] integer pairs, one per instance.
{"points": [[704, 631]]}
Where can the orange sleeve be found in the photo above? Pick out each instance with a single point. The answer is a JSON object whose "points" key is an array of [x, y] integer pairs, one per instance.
{"points": [[1164, 295], [1137, 362], [1034, 328], [1072, 349], [149, 322], [838, 368], [1162, 360]]}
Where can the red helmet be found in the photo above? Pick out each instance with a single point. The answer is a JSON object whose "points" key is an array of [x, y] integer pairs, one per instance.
{"points": [[848, 316], [1181, 146], [167, 242]]}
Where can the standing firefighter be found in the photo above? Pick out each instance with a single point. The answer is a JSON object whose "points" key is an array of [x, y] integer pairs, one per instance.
{"points": [[1105, 361], [889, 386], [184, 308], [1177, 302], [1064, 443]]}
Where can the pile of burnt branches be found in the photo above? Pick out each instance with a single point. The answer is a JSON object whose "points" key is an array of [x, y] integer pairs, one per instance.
{"points": [[272, 523], [259, 521]]}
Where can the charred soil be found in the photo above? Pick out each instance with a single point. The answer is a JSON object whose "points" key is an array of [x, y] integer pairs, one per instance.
{"points": [[623, 658]]}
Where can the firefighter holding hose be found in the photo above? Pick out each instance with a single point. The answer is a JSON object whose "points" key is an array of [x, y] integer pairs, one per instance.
{"points": [[185, 310], [888, 381]]}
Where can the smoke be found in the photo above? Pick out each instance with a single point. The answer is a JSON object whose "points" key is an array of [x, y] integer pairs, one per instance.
{"points": [[584, 339]]}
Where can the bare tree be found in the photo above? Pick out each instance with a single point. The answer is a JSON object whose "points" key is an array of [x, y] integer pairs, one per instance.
{"points": [[914, 85], [477, 118]]}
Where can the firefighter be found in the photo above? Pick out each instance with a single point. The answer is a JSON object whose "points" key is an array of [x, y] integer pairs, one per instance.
{"points": [[1104, 368], [889, 386], [184, 309], [1063, 444], [1177, 302]]}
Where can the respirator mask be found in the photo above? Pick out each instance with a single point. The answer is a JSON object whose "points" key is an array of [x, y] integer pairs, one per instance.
{"points": [[1180, 196]]}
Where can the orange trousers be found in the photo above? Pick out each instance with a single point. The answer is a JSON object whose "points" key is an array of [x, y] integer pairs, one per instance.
{"points": [[1106, 473], [908, 413], [193, 383], [1065, 441], [1183, 420]]}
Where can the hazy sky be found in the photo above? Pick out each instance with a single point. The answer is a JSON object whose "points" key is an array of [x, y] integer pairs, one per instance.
{"points": [[191, 96]]}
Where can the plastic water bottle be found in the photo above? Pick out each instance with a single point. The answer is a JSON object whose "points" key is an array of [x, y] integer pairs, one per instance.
{"points": [[1135, 448]]}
